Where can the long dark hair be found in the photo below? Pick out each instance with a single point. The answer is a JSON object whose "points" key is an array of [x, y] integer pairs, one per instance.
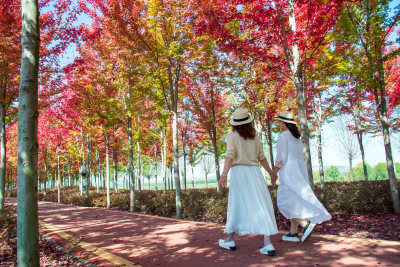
{"points": [[246, 131], [293, 129]]}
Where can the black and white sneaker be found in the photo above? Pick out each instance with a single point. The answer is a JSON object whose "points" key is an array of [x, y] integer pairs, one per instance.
{"points": [[268, 250], [229, 245], [291, 237], [307, 231]]}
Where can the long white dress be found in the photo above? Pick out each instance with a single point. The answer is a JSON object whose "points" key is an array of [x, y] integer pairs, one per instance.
{"points": [[250, 208], [295, 197]]}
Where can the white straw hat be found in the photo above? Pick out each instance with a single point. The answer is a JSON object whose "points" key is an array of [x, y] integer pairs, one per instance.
{"points": [[240, 117], [286, 116]]}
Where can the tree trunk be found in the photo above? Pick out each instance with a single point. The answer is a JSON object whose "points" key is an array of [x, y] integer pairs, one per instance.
{"points": [[63, 179], [216, 162], [3, 159], [8, 181], [27, 155], [130, 167], [45, 173], [270, 144], [83, 163], [319, 148], [87, 166], [359, 137], [380, 99], [98, 172], [170, 175], [80, 184], [141, 177], [305, 135], [155, 165], [389, 163], [115, 162], [164, 159], [38, 180], [53, 181], [104, 178], [192, 176], [184, 165], [351, 168], [168, 178], [108, 172], [360, 143], [138, 167], [139, 173], [293, 61], [214, 140], [69, 170], [58, 178]]}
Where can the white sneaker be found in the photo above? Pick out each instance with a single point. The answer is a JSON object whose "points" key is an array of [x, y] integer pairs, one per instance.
{"points": [[291, 237], [230, 245], [307, 231], [268, 250]]}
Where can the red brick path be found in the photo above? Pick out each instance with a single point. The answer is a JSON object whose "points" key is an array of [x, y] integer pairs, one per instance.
{"points": [[157, 241]]}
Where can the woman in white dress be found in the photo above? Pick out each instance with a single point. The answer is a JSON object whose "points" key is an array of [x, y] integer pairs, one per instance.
{"points": [[295, 198], [250, 208]]}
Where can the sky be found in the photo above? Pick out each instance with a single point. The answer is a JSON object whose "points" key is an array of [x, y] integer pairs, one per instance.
{"points": [[373, 146]]}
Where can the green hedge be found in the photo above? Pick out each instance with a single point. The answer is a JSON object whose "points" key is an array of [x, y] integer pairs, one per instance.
{"points": [[206, 204]]}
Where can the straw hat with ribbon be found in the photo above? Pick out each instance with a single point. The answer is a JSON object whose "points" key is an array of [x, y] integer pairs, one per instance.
{"points": [[240, 117], [286, 116]]}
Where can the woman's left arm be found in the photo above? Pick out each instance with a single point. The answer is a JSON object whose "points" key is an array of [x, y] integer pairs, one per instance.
{"points": [[224, 175]]}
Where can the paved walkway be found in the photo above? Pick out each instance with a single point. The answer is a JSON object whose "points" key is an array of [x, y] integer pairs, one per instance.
{"points": [[118, 238]]}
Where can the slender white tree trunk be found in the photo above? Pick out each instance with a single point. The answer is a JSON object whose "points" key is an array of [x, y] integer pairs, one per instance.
{"points": [[176, 165], [192, 176], [3, 159], [58, 178], [88, 172], [115, 163], [69, 171], [108, 172], [320, 161], [131, 171], [351, 168], [155, 165], [318, 124], [293, 60], [45, 174], [164, 158], [98, 172], [380, 100]]}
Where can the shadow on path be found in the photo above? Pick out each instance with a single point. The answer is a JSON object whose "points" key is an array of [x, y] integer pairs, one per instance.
{"points": [[157, 241]]}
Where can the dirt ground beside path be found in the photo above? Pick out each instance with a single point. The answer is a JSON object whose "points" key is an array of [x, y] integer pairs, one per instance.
{"points": [[156, 241]]}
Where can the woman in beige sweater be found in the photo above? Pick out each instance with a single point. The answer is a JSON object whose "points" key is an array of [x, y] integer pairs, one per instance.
{"points": [[250, 209]]}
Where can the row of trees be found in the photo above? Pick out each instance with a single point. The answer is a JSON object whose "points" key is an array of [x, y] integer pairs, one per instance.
{"points": [[156, 80], [378, 172]]}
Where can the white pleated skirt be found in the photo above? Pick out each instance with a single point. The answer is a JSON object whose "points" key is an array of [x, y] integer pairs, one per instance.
{"points": [[250, 208]]}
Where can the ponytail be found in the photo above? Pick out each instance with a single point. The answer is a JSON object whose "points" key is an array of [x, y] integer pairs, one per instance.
{"points": [[293, 129]]}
